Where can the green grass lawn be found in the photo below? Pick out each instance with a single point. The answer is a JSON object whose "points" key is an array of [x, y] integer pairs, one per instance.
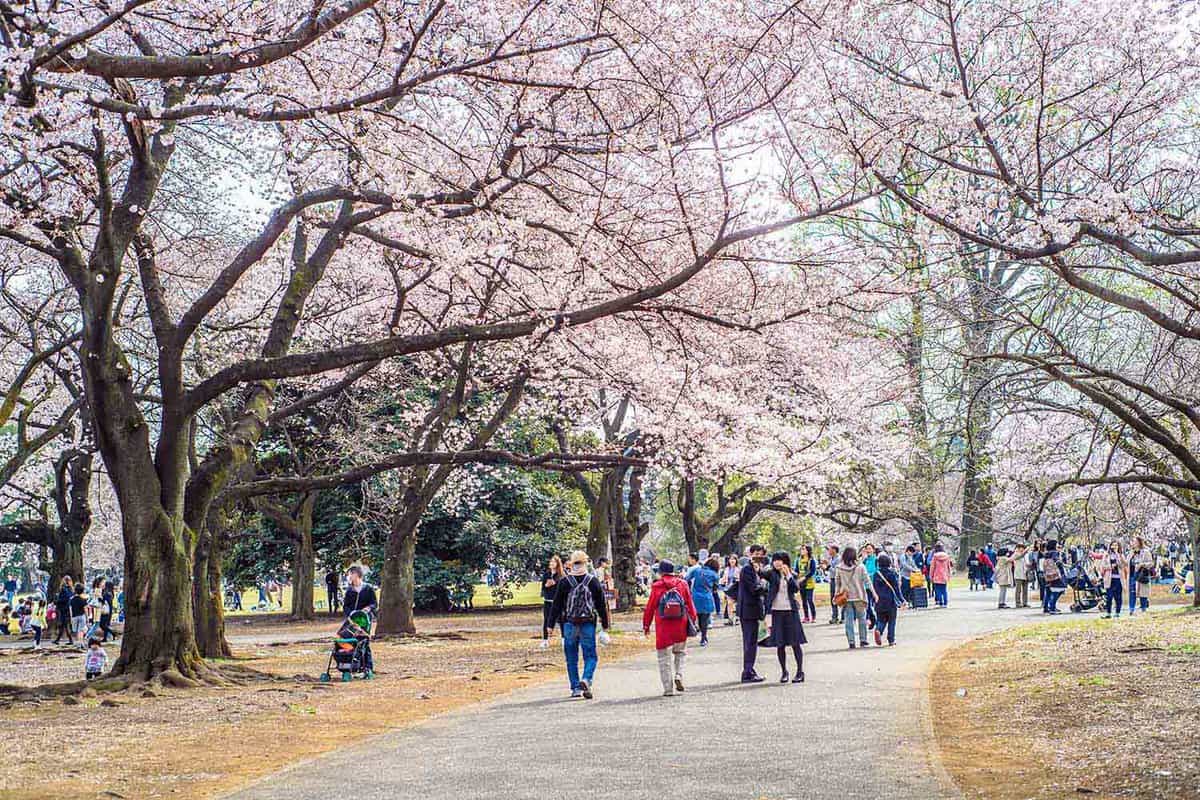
{"points": [[526, 595]]}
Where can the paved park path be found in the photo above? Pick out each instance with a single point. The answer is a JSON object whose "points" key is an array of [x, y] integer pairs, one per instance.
{"points": [[858, 727]]}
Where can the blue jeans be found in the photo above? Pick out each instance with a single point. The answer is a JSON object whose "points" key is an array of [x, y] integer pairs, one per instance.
{"points": [[1113, 596], [885, 622], [940, 596], [855, 610], [1050, 604], [575, 635]]}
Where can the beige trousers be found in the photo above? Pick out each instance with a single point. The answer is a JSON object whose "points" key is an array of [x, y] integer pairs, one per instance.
{"points": [[670, 665]]}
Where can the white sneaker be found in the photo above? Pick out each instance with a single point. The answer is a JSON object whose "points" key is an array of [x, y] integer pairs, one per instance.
{"points": [[545, 643]]}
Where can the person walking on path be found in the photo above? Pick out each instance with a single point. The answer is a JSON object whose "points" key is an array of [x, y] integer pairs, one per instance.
{"points": [[987, 558], [751, 589], [331, 590], [702, 581], [806, 576], [887, 606], [108, 600], [578, 604], [783, 625], [1020, 563], [940, 565], [670, 608], [78, 608], [974, 566], [1141, 573], [1005, 576], [853, 588], [908, 566], [1050, 568], [834, 556], [729, 582], [62, 610], [550, 579], [37, 623], [1114, 568]]}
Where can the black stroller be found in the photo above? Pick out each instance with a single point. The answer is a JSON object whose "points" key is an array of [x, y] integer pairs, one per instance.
{"points": [[1085, 592], [351, 653]]}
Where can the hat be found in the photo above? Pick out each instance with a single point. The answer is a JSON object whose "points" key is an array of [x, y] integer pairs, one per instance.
{"points": [[666, 567]]}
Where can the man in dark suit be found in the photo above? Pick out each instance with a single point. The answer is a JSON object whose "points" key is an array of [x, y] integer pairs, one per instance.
{"points": [[750, 611]]}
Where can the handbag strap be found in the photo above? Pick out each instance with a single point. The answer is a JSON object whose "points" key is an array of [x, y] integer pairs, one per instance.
{"points": [[895, 595]]}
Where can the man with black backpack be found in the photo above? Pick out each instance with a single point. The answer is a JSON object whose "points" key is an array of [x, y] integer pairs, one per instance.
{"points": [[578, 603]]}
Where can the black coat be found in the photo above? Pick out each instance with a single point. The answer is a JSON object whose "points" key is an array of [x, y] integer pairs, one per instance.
{"points": [[750, 598], [775, 583]]}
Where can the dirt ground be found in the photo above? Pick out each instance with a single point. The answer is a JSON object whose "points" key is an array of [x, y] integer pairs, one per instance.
{"points": [[199, 743], [1094, 707]]}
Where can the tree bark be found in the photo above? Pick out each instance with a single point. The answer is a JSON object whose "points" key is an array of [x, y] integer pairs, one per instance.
{"points": [[159, 625], [208, 593], [627, 537], [304, 567], [397, 584], [601, 522]]}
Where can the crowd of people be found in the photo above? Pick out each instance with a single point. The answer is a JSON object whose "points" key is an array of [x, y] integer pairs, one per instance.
{"points": [[76, 613], [772, 597]]}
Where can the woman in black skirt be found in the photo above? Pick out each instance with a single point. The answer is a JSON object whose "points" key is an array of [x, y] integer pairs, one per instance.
{"points": [[784, 618]]}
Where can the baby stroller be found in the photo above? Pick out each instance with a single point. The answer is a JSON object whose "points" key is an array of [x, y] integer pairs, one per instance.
{"points": [[1086, 593], [352, 649]]}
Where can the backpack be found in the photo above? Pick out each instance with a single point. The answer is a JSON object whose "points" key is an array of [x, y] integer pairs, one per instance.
{"points": [[1051, 571], [581, 606], [671, 605]]}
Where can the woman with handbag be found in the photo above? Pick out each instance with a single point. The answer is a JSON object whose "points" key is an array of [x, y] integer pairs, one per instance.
{"points": [[886, 584], [784, 629], [851, 592], [1141, 573]]}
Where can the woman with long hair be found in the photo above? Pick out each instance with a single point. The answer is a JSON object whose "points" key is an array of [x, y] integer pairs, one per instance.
{"points": [[806, 575], [729, 588], [550, 578], [852, 585]]}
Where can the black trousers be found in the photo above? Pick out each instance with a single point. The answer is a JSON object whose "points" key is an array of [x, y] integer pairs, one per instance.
{"points": [[332, 594], [547, 623], [749, 645]]}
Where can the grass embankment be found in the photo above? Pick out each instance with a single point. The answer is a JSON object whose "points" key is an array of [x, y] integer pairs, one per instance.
{"points": [[200, 743], [1103, 708]]}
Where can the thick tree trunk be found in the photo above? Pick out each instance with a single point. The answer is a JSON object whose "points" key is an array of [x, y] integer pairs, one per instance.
{"points": [[67, 559], [304, 569], [159, 632], [625, 544], [397, 585], [208, 595], [977, 507], [601, 522]]}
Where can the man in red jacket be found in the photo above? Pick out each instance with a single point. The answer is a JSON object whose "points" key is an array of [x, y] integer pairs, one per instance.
{"points": [[670, 608]]}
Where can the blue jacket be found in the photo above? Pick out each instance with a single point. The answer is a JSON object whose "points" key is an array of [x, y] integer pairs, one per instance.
{"points": [[703, 582]]}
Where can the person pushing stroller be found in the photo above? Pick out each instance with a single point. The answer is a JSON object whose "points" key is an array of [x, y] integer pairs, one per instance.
{"points": [[351, 653]]}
